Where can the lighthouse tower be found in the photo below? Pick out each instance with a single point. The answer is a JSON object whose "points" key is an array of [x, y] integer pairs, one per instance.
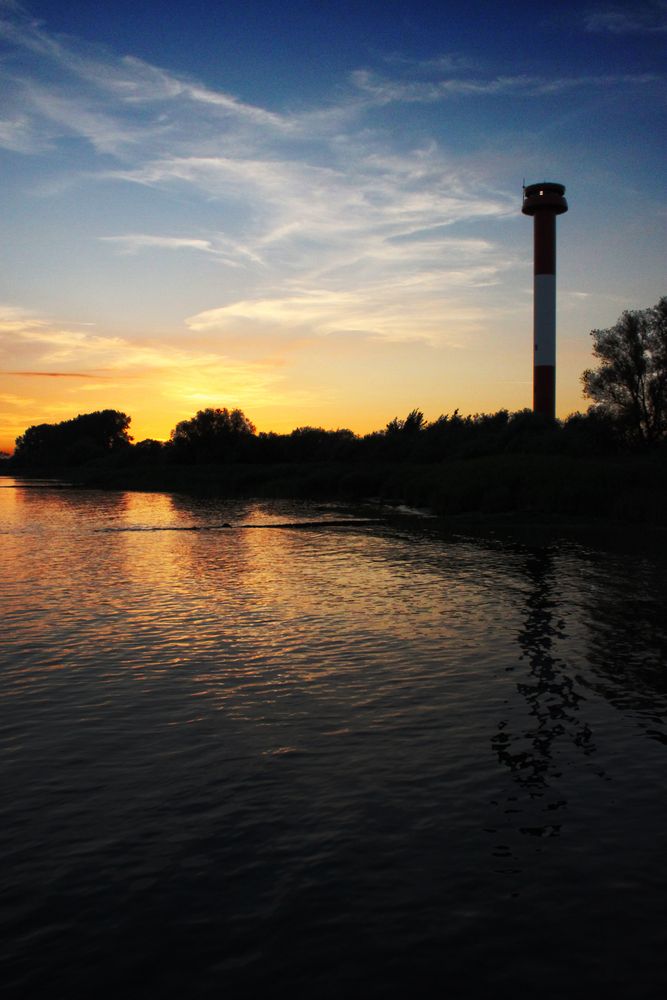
{"points": [[544, 202]]}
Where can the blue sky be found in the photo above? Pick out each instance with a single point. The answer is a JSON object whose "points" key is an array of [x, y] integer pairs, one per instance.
{"points": [[313, 211]]}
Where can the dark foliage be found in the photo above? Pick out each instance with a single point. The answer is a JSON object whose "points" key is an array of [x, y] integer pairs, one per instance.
{"points": [[592, 464], [630, 384], [223, 437], [500, 463], [73, 442], [212, 435], [314, 443]]}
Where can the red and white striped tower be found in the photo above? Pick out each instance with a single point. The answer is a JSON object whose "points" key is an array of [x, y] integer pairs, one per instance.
{"points": [[544, 202]]}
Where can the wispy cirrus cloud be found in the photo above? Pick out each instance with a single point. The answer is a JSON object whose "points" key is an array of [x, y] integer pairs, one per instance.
{"points": [[37, 347], [317, 195], [411, 309], [113, 101], [11, 399], [133, 242], [131, 109], [224, 250], [447, 62], [51, 374], [333, 208], [260, 236], [18, 135], [386, 90], [636, 19], [377, 217]]}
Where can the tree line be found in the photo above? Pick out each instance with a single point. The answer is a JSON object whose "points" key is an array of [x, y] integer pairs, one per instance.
{"points": [[628, 391], [219, 436]]}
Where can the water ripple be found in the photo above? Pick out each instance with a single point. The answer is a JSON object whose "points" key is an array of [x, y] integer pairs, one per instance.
{"points": [[325, 757]]}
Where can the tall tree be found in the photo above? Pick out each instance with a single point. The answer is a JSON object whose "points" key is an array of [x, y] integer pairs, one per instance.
{"points": [[72, 442], [630, 383], [211, 434]]}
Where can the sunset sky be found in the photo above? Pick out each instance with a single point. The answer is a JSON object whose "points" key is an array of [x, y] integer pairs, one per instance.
{"points": [[312, 210]]}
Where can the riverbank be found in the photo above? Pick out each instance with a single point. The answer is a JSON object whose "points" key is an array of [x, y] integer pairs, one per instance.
{"points": [[626, 488]]}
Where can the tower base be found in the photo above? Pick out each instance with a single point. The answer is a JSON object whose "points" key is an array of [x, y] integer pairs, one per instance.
{"points": [[544, 390]]}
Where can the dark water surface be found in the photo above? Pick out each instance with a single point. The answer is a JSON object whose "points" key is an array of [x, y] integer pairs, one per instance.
{"points": [[361, 758]]}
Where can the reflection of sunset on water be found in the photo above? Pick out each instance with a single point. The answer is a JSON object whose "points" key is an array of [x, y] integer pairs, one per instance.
{"points": [[263, 719], [309, 607], [247, 606]]}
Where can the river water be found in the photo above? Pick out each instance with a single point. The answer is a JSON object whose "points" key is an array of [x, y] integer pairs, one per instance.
{"points": [[253, 747]]}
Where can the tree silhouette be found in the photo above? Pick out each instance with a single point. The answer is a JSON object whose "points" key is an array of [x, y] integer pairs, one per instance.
{"points": [[413, 423], [630, 384], [73, 442], [212, 434]]}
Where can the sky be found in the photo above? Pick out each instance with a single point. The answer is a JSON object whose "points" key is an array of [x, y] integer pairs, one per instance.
{"points": [[313, 211]]}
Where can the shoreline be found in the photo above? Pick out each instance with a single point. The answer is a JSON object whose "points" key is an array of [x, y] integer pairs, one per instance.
{"points": [[510, 490]]}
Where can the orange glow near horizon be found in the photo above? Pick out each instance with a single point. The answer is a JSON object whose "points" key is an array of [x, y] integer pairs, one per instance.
{"points": [[361, 417], [332, 253], [466, 361]]}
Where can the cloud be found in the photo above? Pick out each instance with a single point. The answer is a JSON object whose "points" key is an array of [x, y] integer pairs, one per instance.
{"points": [[17, 135], [11, 399], [107, 133], [333, 225], [113, 102], [226, 251], [447, 62], [43, 349], [368, 214], [388, 91], [148, 117], [410, 310], [51, 374], [640, 19], [17, 319], [133, 242], [353, 221]]}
